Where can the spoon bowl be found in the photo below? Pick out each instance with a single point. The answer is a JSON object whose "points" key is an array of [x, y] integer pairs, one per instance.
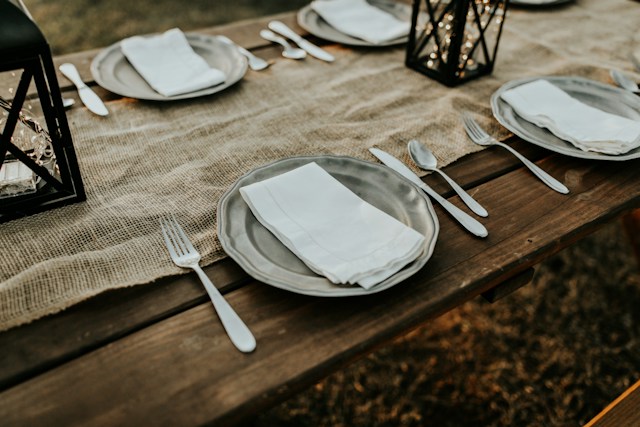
{"points": [[624, 82], [255, 63], [289, 51], [424, 158]]}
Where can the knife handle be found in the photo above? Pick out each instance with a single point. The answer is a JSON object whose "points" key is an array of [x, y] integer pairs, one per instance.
{"points": [[281, 28], [466, 220], [71, 72]]}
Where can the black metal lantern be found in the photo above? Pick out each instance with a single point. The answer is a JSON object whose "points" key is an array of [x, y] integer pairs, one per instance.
{"points": [[454, 41], [39, 169]]}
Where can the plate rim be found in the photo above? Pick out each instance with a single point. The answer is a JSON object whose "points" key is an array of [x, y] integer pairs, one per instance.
{"points": [[348, 40], [114, 49], [538, 4], [570, 150], [257, 274]]}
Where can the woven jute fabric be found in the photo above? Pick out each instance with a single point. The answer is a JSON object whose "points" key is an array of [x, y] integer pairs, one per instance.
{"points": [[146, 160]]}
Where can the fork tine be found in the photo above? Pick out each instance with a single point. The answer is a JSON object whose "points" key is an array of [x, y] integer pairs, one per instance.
{"points": [[174, 237], [474, 130], [177, 238], [167, 240], [468, 127], [183, 236]]}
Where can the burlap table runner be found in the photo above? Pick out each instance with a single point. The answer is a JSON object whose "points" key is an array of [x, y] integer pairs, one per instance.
{"points": [[146, 159]]}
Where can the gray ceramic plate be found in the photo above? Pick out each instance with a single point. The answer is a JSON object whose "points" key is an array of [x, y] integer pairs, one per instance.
{"points": [[599, 95], [314, 24], [112, 71], [541, 3], [262, 255]]}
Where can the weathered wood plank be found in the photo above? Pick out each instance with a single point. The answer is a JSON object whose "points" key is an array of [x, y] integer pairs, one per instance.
{"points": [[508, 286], [622, 412], [184, 371], [56, 339], [631, 223]]}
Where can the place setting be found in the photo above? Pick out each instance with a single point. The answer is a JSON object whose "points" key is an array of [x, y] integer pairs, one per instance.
{"points": [[375, 23], [285, 224], [571, 115], [172, 66]]}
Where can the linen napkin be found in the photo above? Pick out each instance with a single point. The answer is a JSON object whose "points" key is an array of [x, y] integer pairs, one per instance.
{"points": [[586, 127], [332, 230], [359, 19], [168, 63]]}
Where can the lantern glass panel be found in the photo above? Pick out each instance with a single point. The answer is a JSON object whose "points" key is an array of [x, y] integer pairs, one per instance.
{"points": [[455, 40], [38, 165], [30, 135]]}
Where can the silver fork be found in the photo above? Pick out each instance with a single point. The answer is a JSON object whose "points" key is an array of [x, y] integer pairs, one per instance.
{"points": [[185, 255], [480, 137]]}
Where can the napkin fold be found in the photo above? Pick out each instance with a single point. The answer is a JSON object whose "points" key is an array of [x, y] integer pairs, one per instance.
{"points": [[586, 127], [332, 230], [169, 64], [359, 19]]}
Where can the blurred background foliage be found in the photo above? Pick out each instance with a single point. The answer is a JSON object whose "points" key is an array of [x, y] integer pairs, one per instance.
{"points": [[73, 25]]}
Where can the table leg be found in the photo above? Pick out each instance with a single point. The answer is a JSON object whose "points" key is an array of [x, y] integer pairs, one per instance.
{"points": [[631, 223], [508, 286]]}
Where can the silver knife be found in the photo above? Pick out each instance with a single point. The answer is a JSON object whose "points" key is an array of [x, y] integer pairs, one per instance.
{"points": [[313, 50], [467, 221], [88, 96]]}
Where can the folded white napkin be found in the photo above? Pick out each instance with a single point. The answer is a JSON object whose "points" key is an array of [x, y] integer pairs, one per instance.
{"points": [[359, 19], [168, 63], [333, 231], [586, 127]]}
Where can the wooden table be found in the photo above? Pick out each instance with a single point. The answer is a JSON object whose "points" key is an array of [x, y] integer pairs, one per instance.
{"points": [[157, 355], [624, 411]]}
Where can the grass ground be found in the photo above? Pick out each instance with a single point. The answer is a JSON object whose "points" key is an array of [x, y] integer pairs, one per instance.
{"points": [[552, 354], [72, 25]]}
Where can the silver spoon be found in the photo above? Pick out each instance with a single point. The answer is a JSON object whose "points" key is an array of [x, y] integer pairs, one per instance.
{"points": [[289, 51], [255, 63], [624, 82], [424, 158]]}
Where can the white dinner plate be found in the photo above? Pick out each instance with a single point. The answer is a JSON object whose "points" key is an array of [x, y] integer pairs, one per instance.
{"points": [[111, 69], [599, 95], [262, 255], [314, 24]]}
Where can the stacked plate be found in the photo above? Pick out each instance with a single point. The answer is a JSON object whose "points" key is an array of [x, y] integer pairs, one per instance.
{"points": [[604, 97], [263, 256], [311, 21], [111, 69], [540, 3]]}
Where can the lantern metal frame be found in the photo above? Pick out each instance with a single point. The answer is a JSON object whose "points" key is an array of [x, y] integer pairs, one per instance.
{"points": [[31, 54], [449, 69]]}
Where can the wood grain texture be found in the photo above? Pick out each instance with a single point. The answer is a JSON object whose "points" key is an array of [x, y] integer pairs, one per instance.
{"points": [[157, 354], [622, 412], [184, 371], [56, 339], [631, 223]]}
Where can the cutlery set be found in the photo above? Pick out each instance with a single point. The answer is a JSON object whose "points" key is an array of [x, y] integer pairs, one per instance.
{"points": [[466, 220], [184, 254], [424, 158], [305, 46]]}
